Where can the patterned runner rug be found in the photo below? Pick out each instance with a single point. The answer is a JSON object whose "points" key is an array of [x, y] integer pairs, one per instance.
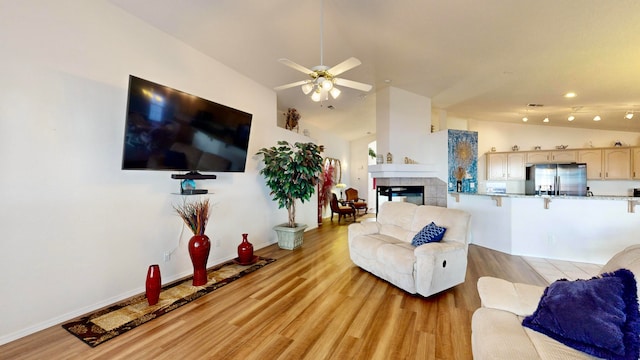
{"points": [[107, 323]]}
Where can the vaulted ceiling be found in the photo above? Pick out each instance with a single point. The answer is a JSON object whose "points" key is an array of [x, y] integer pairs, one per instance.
{"points": [[483, 60]]}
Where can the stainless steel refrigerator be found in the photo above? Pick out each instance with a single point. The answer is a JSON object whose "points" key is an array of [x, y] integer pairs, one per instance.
{"points": [[556, 179]]}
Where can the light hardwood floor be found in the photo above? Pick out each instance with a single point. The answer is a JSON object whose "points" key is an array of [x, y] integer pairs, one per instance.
{"points": [[312, 303]]}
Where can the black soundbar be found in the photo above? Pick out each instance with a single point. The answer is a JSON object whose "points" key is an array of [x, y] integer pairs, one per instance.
{"points": [[193, 176]]}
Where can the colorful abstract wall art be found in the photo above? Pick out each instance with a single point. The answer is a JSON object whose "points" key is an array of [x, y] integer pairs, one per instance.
{"points": [[463, 161]]}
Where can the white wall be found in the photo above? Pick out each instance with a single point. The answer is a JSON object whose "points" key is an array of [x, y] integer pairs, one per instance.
{"points": [[359, 178], [403, 122], [78, 233], [503, 136], [334, 147]]}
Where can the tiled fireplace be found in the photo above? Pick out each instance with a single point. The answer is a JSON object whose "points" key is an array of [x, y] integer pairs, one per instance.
{"points": [[419, 190]]}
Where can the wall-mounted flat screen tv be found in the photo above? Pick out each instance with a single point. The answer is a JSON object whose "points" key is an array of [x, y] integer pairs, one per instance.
{"points": [[167, 129]]}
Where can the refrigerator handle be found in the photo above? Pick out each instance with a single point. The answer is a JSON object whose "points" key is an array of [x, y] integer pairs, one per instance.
{"points": [[557, 185]]}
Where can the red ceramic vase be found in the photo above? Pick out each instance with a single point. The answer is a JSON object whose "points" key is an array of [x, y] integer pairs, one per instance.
{"points": [[245, 251], [153, 284], [199, 247]]}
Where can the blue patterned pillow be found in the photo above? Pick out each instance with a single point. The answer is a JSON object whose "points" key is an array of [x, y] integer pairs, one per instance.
{"points": [[598, 316], [429, 233]]}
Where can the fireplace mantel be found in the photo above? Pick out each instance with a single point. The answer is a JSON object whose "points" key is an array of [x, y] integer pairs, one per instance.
{"points": [[402, 170]]}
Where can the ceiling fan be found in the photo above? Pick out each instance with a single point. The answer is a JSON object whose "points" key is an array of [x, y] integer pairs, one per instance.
{"points": [[324, 78]]}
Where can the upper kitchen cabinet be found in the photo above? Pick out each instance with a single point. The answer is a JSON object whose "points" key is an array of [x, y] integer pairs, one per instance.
{"points": [[635, 162], [537, 157], [561, 156], [617, 163], [506, 166], [593, 159]]}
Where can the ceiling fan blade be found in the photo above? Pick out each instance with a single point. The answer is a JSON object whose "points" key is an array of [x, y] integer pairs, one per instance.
{"points": [[353, 84], [296, 66], [294, 84], [348, 64]]}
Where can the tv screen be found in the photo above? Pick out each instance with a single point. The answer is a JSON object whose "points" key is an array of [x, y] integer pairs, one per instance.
{"points": [[167, 129]]}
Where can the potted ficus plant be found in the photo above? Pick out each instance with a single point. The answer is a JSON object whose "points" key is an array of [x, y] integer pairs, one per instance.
{"points": [[291, 173]]}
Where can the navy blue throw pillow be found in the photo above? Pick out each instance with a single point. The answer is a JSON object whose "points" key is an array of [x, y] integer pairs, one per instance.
{"points": [[598, 316], [429, 233]]}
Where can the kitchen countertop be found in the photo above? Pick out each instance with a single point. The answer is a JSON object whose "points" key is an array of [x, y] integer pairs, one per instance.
{"points": [[595, 197], [574, 228]]}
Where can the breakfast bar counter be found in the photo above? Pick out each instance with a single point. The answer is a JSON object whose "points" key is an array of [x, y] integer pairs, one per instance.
{"points": [[575, 228]]}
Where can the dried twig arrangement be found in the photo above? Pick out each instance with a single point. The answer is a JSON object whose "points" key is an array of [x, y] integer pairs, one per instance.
{"points": [[195, 215]]}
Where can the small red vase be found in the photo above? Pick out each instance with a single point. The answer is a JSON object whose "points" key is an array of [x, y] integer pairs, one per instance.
{"points": [[153, 284], [245, 251], [199, 247]]}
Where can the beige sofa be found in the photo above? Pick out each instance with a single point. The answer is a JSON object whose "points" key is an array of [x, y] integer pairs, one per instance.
{"points": [[384, 248], [496, 327]]}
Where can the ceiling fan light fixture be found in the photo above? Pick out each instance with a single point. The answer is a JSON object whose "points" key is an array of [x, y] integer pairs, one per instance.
{"points": [[316, 95], [324, 78], [335, 92], [326, 84], [307, 88]]}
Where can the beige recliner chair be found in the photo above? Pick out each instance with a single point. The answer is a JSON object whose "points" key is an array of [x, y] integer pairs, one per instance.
{"points": [[384, 247]]}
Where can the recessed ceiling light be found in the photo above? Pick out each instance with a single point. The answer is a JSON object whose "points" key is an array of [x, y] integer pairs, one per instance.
{"points": [[525, 119], [597, 118], [629, 115], [546, 119], [571, 118], [570, 95]]}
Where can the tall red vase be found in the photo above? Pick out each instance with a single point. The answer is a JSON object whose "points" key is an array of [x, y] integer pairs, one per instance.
{"points": [[153, 284], [245, 251], [199, 247]]}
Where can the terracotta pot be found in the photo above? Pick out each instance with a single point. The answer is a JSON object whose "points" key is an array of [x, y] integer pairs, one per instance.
{"points": [[153, 284], [199, 247], [245, 251]]}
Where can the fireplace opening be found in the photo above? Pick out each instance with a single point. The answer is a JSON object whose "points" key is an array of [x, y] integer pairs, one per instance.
{"points": [[412, 194]]}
